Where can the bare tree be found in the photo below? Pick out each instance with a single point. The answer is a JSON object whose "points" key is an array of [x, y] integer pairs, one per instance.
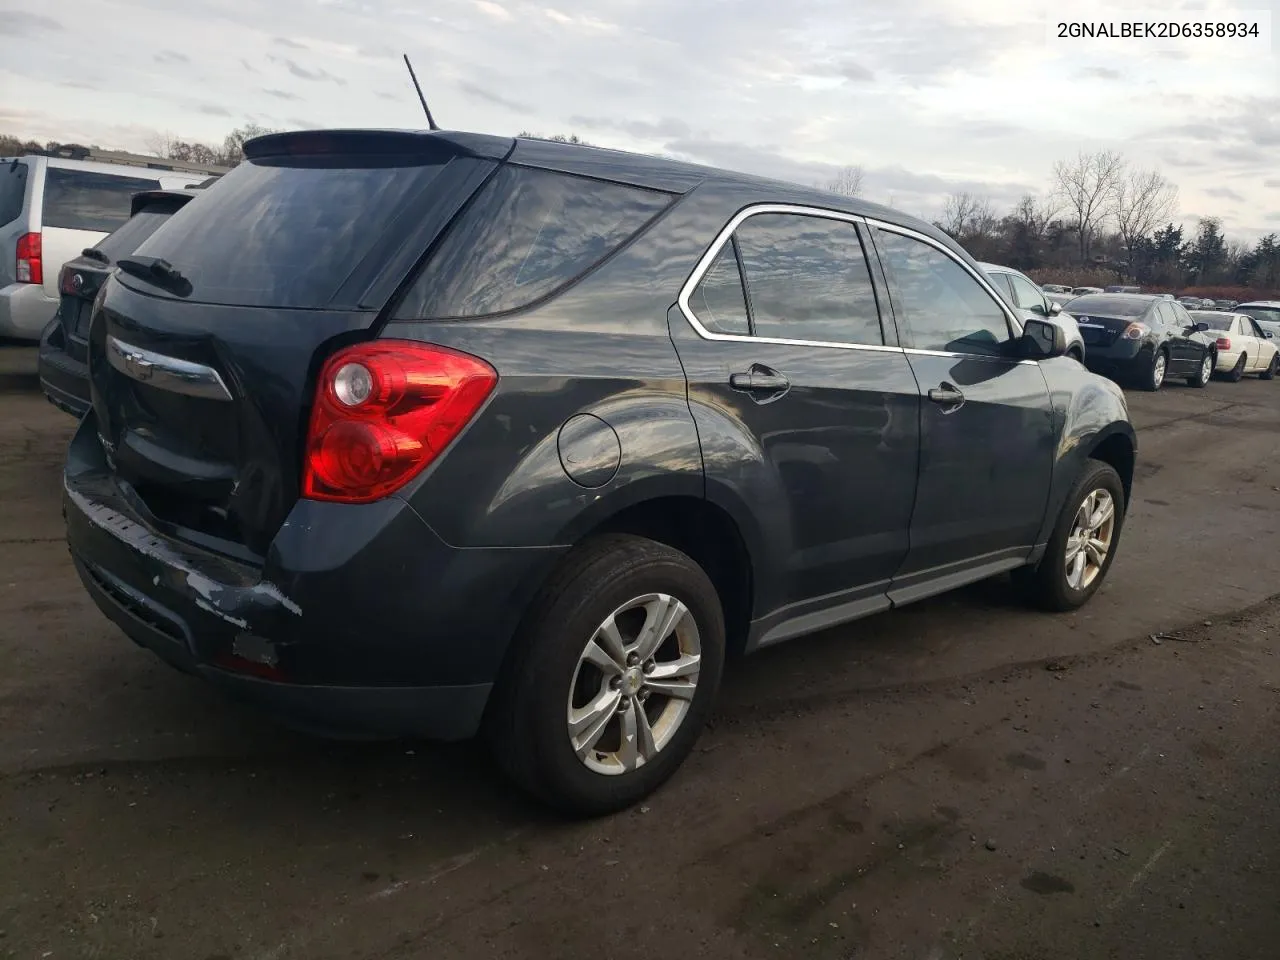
{"points": [[1087, 187], [847, 182], [965, 216], [1144, 200]]}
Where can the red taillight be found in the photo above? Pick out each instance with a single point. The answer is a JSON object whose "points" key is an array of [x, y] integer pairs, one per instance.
{"points": [[1224, 343], [65, 283], [1135, 331], [383, 411], [30, 265]]}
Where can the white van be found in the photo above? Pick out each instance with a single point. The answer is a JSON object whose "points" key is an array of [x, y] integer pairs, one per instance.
{"points": [[54, 206]]}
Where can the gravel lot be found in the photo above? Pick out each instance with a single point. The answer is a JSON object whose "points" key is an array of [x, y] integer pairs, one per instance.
{"points": [[964, 778]]}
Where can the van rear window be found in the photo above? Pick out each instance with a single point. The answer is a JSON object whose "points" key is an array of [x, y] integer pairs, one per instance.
{"points": [[528, 233], [82, 200], [287, 231], [13, 190]]}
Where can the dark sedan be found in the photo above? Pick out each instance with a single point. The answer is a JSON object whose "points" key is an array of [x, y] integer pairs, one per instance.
{"points": [[1142, 338]]}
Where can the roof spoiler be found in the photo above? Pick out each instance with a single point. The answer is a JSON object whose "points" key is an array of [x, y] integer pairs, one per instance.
{"points": [[146, 197]]}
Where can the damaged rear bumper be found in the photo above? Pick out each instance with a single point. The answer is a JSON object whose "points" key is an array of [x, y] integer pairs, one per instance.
{"points": [[360, 623]]}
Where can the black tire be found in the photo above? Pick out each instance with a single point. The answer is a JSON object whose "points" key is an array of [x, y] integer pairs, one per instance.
{"points": [[1046, 584], [1154, 376], [1237, 372], [1204, 373], [1270, 372], [526, 724], [1075, 355]]}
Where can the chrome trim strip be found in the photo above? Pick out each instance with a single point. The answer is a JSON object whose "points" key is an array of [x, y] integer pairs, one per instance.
{"points": [[713, 251], [166, 373], [704, 264]]}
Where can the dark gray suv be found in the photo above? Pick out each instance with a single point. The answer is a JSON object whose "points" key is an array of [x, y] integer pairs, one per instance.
{"points": [[403, 434]]}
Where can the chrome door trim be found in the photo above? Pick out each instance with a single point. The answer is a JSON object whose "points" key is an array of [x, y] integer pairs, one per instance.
{"points": [[705, 261], [166, 373]]}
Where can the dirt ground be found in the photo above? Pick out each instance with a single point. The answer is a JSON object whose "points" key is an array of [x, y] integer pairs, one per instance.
{"points": [[965, 778]]}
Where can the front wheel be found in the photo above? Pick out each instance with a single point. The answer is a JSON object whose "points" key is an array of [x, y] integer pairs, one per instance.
{"points": [[1083, 543], [612, 676], [1204, 373], [1237, 372], [1270, 372], [1154, 378]]}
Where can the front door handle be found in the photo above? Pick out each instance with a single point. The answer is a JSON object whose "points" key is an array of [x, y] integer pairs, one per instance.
{"points": [[947, 396]]}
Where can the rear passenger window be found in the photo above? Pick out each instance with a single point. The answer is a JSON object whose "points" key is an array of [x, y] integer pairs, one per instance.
{"points": [[80, 200], [807, 278], [13, 191], [718, 301], [526, 234], [944, 307]]}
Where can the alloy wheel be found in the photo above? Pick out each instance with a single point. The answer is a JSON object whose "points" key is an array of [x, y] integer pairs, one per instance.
{"points": [[1157, 369], [1206, 369], [1089, 542], [634, 684]]}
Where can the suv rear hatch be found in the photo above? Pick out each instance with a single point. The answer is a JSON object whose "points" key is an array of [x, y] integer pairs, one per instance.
{"points": [[83, 277], [211, 333]]}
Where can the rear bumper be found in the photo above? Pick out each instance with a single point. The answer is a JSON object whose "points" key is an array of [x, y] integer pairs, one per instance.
{"points": [[1122, 359], [64, 380], [362, 622], [25, 311]]}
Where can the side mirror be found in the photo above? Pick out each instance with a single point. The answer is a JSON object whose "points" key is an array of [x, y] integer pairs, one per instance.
{"points": [[1270, 335], [1055, 308], [1200, 327], [1042, 340]]}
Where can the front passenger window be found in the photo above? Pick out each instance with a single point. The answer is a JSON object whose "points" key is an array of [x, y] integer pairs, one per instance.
{"points": [[1026, 296], [943, 306]]}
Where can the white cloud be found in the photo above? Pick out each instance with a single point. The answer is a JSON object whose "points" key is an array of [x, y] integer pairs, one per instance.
{"points": [[940, 95]]}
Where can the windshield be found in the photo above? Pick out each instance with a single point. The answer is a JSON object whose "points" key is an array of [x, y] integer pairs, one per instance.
{"points": [[286, 232], [1216, 321], [1109, 306], [1262, 314]]}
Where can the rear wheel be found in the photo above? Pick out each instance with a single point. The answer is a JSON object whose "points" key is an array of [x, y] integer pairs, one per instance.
{"points": [[1204, 372], [1237, 372], [1083, 543], [1270, 372], [612, 678], [1154, 378]]}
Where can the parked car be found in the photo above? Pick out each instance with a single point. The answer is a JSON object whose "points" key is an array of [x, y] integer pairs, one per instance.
{"points": [[1143, 338], [1241, 343], [1121, 288], [491, 438], [52, 207], [64, 376], [1082, 291], [1061, 299], [1195, 303], [1054, 288], [1266, 312], [1224, 304], [1030, 301]]}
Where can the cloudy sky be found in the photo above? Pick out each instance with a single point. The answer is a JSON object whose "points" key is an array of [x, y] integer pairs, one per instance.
{"points": [[928, 96]]}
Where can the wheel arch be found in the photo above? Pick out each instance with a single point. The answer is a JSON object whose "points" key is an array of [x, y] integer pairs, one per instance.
{"points": [[1117, 447]]}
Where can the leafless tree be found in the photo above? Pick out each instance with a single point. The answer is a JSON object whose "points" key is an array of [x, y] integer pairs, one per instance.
{"points": [[1087, 188], [847, 182], [966, 215], [1144, 200], [1035, 213]]}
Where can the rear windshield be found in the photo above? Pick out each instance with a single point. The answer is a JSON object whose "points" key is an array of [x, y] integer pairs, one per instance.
{"points": [[1216, 321], [1109, 306], [527, 234], [286, 231], [82, 200], [13, 191], [136, 230]]}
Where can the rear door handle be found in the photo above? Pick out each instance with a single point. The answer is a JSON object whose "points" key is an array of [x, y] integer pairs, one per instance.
{"points": [[946, 395], [760, 380]]}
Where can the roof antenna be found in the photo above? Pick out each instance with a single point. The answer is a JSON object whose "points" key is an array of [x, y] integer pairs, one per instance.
{"points": [[431, 123]]}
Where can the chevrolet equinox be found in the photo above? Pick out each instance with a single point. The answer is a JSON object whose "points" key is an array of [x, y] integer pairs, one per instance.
{"points": [[436, 434]]}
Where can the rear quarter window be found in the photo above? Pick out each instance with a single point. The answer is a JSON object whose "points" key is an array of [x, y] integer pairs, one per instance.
{"points": [[84, 200], [527, 234], [13, 191]]}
